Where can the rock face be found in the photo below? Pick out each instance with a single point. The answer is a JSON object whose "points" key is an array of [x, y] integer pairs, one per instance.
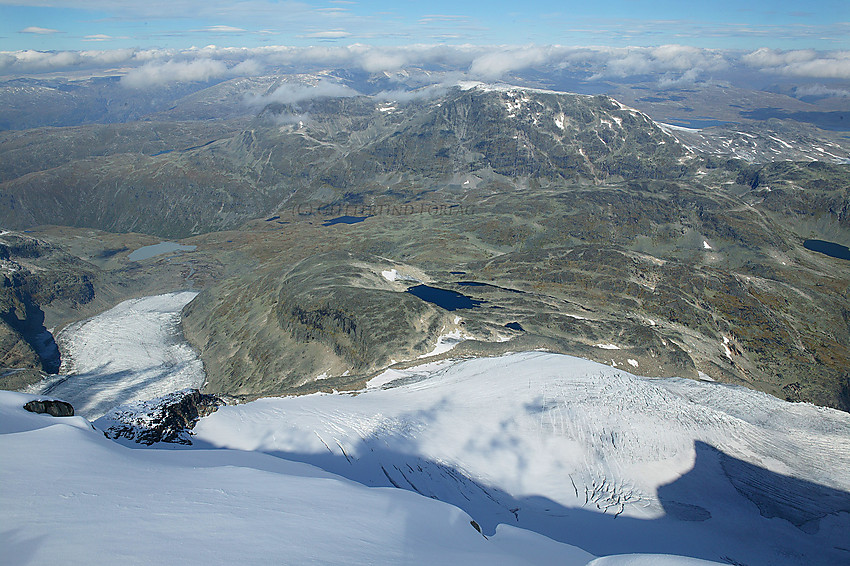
{"points": [[34, 274], [52, 407], [167, 419]]}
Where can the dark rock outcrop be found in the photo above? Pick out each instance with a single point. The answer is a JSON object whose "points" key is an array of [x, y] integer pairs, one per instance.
{"points": [[52, 407], [167, 419]]}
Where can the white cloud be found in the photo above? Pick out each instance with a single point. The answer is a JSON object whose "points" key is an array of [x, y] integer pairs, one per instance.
{"points": [[329, 34], [403, 96], [223, 29], [635, 61], [49, 61], [668, 65], [97, 37], [157, 74], [496, 63], [672, 80], [290, 93], [767, 58], [801, 63], [821, 90], [39, 31]]}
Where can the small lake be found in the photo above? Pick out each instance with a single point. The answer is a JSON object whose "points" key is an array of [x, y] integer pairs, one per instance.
{"points": [[449, 300], [344, 220], [148, 252], [828, 248]]}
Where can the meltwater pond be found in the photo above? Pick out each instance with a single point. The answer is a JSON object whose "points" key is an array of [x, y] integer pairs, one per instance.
{"points": [[449, 300], [828, 248]]}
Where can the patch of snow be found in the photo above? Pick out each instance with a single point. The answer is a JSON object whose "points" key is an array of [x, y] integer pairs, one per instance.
{"points": [[446, 342], [726, 348], [664, 126], [633, 362], [390, 275], [706, 245], [607, 346]]}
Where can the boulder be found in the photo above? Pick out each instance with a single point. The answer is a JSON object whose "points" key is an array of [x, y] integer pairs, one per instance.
{"points": [[52, 407]]}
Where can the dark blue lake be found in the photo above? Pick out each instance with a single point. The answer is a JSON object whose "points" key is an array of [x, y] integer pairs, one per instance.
{"points": [[449, 300], [344, 220], [828, 248]]}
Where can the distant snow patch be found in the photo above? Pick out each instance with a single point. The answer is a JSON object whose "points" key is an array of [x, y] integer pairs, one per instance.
{"points": [[394, 275], [445, 343], [607, 346], [390, 275], [726, 348], [664, 126], [559, 121]]}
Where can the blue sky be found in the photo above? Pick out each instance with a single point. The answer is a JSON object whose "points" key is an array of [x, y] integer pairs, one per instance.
{"points": [[179, 24]]}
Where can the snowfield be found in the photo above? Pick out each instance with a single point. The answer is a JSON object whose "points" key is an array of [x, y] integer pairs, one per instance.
{"points": [[132, 352], [582, 453], [555, 459], [69, 492]]}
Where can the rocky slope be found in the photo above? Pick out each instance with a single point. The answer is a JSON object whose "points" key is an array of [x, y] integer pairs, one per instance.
{"points": [[341, 150], [25, 343]]}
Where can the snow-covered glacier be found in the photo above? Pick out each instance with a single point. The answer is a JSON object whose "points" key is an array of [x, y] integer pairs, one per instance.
{"points": [[553, 458], [583, 453]]}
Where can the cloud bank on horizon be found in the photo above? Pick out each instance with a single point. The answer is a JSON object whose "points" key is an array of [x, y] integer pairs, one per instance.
{"points": [[668, 65], [154, 43]]}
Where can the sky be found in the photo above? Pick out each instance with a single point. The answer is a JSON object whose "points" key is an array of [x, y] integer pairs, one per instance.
{"points": [[46, 25]]}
